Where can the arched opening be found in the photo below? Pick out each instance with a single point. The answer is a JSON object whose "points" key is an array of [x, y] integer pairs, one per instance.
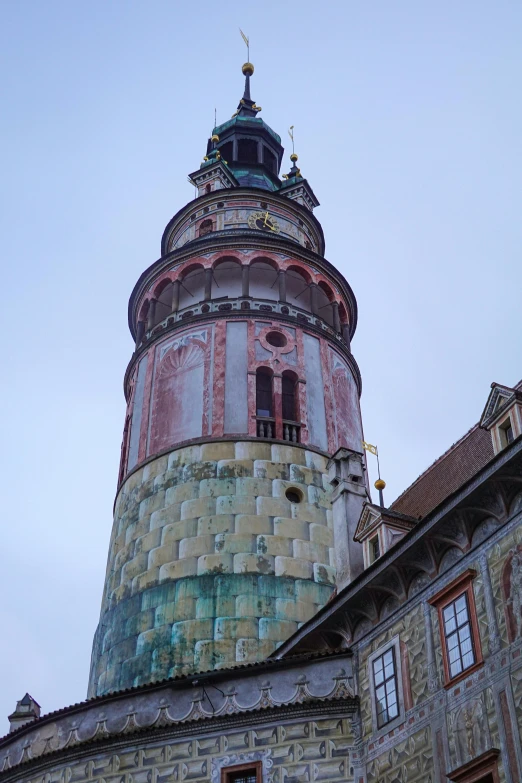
{"points": [[265, 403], [226, 280], [263, 279], [325, 297], [206, 226], [298, 289], [163, 302], [227, 151], [269, 160], [289, 396], [192, 286], [264, 396], [247, 151]]}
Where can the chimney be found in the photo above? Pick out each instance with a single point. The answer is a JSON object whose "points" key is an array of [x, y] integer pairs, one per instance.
{"points": [[27, 710]]}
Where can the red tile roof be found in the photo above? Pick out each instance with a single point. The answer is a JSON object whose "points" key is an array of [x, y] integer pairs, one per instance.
{"points": [[447, 474]]}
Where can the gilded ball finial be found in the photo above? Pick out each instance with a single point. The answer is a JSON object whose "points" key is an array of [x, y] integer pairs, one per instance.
{"points": [[215, 137], [379, 484], [248, 69], [293, 157]]}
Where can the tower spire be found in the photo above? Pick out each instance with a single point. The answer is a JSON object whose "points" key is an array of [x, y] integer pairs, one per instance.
{"points": [[247, 107]]}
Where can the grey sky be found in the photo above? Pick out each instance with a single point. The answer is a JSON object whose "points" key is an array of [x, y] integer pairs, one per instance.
{"points": [[408, 126]]}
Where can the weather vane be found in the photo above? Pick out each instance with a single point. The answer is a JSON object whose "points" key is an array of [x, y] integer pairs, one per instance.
{"points": [[247, 42], [291, 134]]}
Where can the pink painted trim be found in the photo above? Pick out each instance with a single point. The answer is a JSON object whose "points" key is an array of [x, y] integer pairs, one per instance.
{"points": [[218, 403]]}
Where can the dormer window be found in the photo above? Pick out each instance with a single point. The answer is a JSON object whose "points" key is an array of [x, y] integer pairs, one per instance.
{"points": [[375, 549], [506, 432], [502, 416], [379, 529]]}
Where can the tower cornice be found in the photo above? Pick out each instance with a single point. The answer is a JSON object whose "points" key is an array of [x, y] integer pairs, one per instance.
{"points": [[265, 196], [242, 315], [235, 240]]}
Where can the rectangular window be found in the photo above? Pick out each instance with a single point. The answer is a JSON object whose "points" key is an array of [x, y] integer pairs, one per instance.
{"points": [[507, 435], [385, 687], [375, 550], [458, 636], [243, 773]]}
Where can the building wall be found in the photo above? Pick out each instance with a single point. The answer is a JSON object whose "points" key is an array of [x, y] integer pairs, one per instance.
{"points": [[209, 563], [442, 728], [302, 750]]}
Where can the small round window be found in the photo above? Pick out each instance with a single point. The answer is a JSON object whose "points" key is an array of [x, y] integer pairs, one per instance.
{"points": [[277, 339], [294, 495]]}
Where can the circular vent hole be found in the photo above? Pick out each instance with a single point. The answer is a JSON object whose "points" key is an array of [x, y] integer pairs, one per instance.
{"points": [[294, 495], [276, 339]]}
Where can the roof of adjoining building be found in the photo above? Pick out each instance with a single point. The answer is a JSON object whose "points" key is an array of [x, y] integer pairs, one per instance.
{"points": [[447, 474]]}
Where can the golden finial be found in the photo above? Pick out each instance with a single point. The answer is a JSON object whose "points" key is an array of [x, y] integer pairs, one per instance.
{"points": [[380, 484], [248, 69], [215, 137], [293, 157]]}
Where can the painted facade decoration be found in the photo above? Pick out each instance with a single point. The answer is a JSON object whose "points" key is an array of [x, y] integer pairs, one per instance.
{"points": [[261, 616]]}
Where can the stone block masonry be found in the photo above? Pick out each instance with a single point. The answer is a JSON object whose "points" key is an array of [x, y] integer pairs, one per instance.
{"points": [[209, 563]]}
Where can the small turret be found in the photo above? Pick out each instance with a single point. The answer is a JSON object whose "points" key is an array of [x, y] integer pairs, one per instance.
{"points": [[27, 710]]}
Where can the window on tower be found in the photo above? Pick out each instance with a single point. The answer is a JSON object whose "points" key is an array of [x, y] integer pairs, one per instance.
{"points": [[270, 160], [289, 396], [264, 403], [247, 151], [226, 151]]}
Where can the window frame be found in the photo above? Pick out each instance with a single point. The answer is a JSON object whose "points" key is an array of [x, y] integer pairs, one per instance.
{"points": [[228, 772], [265, 372], [399, 718], [462, 585], [503, 429], [475, 771], [371, 548]]}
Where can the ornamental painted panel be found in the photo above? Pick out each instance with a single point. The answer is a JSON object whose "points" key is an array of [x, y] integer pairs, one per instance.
{"points": [[177, 408], [348, 428], [512, 593], [137, 413], [315, 392], [236, 369]]}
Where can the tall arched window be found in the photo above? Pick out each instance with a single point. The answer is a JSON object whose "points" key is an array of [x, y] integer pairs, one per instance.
{"points": [[298, 288], [289, 396], [264, 397], [163, 303], [227, 279]]}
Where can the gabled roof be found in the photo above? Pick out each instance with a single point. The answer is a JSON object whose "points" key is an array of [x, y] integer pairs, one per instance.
{"points": [[499, 397], [372, 515]]}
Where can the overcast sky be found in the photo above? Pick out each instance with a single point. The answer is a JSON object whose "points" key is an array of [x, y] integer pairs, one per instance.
{"points": [[407, 120]]}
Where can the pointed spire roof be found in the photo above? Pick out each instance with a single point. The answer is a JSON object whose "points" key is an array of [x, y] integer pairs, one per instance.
{"points": [[246, 106]]}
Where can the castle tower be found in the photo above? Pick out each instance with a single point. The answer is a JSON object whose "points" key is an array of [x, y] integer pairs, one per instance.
{"points": [[241, 387]]}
